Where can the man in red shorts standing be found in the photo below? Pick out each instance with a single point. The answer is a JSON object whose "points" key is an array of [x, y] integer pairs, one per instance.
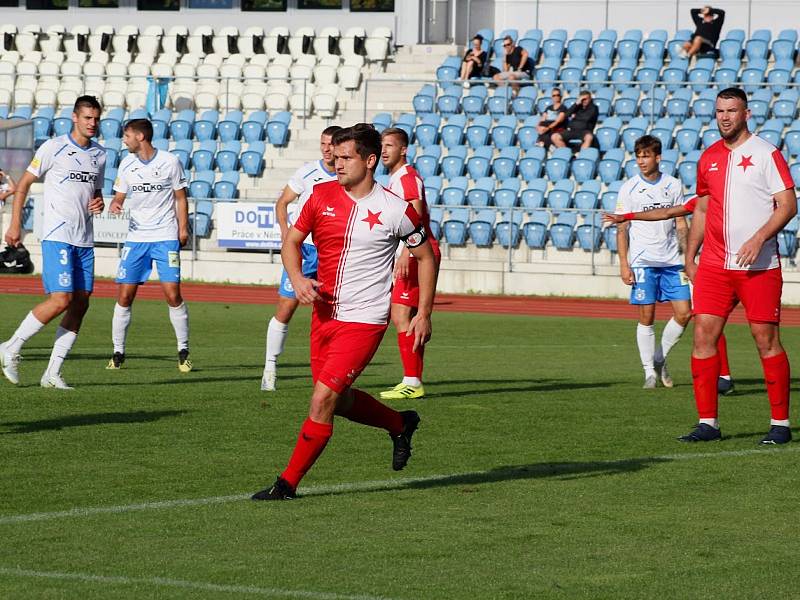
{"points": [[745, 197], [357, 226], [406, 183]]}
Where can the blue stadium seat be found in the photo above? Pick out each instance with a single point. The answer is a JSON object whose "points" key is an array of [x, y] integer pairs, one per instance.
{"points": [[436, 218], [783, 49], [791, 143], [560, 197], [772, 136], [253, 158], [503, 132], [533, 196], [505, 165], [610, 237], [200, 189], [478, 132], [562, 234], [478, 164], [205, 128], [687, 139], [590, 233], [381, 121], [452, 133], [475, 102], [609, 170], [725, 77], [278, 128], [423, 101], [481, 193], [181, 128], [527, 136], [557, 168], [756, 48], [507, 234], [228, 128], [530, 168], [62, 126], [455, 232], [587, 198], [523, 105], [449, 69], [448, 104], [653, 48], [203, 157], [687, 172], [252, 128], [427, 165], [227, 158], [583, 169], [499, 104], [433, 189], [784, 110], [225, 190], [730, 49], [481, 232], [795, 171], [535, 232], [507, 193], [455, 194], [603, 48], [665, 135], [452, 165], [787, 244], [201, 224], [710, 136], [426, 134]]}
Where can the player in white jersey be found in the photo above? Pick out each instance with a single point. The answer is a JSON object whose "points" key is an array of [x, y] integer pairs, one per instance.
{"points": [[73, 167], [299, 188], [651, 262], [155, 186]]}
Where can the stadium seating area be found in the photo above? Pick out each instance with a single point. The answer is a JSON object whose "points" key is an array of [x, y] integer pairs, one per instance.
{"points": [[476, 145]]}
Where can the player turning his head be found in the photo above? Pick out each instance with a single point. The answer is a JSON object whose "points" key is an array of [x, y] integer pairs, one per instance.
{"points": [[73, 166], [299, 188], [155, 187], [745, 197], [406, 183], [357, 227], [651, 264]]}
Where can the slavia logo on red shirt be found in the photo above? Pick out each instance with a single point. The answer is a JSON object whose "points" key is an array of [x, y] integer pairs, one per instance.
{"points": [[373, 219], [746, 162]]}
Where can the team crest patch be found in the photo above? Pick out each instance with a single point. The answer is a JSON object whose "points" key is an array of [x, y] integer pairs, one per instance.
{"points": [[121, 273], [65, 279], [640, 294]]}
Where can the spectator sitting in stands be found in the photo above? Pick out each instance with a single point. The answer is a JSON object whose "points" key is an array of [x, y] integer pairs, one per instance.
{"points": [[474, 60], [708, 25], [7, 187], [581, 120], [552, 119], [516, 65]]}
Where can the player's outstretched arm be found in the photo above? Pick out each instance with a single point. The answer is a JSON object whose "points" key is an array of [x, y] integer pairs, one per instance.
{"points": [[420, 326], [182, 214], [14, 230], [785, 210], [288, 195], [659, 214], [695, 237], [292, 256]]}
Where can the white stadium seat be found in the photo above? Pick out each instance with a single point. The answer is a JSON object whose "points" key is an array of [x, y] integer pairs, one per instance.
{"points": [[149, 40], [5, 97], [189, 59], [161, 70], [325, 100], [55, 56], [94, 87], [255, 87], [325, 71], [228, 71], [277, 97], [252, 38], [23, 97], [72, 40], [51, 40], [302, 38], [262, 60], [11, 56], [209, 86], [301, 71], [49, 83], [235, 59], [229, 101], [125, 39], [277, 72], [207, 71], [114, 69], [254, 72], [213, 59], [196, 43], [26, 68], [225, 41], [252, 101], [45, 97], [49, 68], [7, 68], [71, 84], [27, 41], [170, 41], [377, 44], [123, 58], [66, 98], [113, 99], [347, 43], [182, 100], [205, 101], [322, 43], [350, 72], [100, 39], [184, 71], [135, 100], [100, 57], [94, 69], [273, 39]]}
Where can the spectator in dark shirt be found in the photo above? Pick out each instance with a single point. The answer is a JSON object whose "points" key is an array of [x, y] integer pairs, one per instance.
{"points": [[581, 120], [516, 65], [474, 59], [708, 25], [552, 120]]}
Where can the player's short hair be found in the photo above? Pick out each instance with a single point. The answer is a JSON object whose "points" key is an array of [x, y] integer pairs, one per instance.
{"points": [[585, 93], [733, 93], [143, 126], [508, 38], [86, 102], [478, 37], [365, 136], [330, 130], [647, 142], [396, 131]]}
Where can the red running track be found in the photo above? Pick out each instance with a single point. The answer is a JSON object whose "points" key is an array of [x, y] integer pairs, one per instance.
{"points": [[507, 305]]}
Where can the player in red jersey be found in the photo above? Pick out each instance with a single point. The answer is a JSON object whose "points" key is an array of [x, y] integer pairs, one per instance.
{"points": [[724, 383], [745, 197], [357, 226], [406, 183]]}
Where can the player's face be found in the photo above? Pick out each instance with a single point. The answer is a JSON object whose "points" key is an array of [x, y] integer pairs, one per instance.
{"points": [[647, 160], [86, 121], [392, 152], [326, 149], [351, 169], [132, 140], [731, 117]]}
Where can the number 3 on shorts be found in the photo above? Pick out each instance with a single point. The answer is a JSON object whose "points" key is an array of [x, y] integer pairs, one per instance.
{"points": [[174, 259]]}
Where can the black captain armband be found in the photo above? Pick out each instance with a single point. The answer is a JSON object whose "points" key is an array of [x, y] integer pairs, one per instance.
{"points": [[416, 238]]}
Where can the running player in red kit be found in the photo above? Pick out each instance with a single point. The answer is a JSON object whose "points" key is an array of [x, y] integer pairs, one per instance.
{"points": [[745, 197], [357, 226], [406, 183]]}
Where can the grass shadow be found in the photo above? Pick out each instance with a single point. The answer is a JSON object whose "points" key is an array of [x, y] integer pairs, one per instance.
{"points": [[107, 418], [533, 385]]}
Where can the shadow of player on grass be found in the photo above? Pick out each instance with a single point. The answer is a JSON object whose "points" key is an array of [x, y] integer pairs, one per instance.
{"points": [[107, 418]]}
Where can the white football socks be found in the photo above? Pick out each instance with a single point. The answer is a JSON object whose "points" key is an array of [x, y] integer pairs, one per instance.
{"points": [[713, 422], [646, 340], [65, 339], [179, 316], [29, 327], [119, 327], [669, 337], [276, 338]]}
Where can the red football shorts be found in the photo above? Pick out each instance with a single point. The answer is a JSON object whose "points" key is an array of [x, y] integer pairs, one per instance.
{"points": [[406, 290], [716, 292], [340, 351]]}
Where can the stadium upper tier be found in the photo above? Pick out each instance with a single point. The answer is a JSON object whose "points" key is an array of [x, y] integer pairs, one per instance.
{"points": [[302, 71]]}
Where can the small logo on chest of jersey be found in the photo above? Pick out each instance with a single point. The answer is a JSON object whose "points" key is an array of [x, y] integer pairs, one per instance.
{"points": [[746, 162], [713, 167], [373, 219], [328, 212]]}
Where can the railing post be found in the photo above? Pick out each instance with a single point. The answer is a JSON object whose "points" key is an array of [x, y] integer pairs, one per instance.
{"points": [[366, 88]]}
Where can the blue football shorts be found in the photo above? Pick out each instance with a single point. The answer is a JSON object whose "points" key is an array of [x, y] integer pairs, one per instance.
{"points": [[137, 260], [659, 284], [309, 270], [67, 268]]}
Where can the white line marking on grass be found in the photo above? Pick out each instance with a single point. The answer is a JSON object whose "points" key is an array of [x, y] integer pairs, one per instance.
{"points": [[365, 486], [192, 585]]}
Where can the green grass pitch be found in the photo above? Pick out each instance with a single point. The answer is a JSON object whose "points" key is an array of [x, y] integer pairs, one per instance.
{"points": [[540, 470]]}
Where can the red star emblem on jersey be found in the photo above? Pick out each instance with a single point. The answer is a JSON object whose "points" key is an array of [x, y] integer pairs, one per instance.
{"points": [[373, 219], [746, 162]]}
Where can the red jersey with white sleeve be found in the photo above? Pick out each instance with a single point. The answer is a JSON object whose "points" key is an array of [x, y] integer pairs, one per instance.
{"points": [[406, 183], [740, 184], [356, 243]]}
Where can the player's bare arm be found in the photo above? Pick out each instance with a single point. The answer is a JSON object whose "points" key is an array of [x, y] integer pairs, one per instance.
{"points": [[401, 264], [682, 231], [625, 271], [785, 210], [182, 215], [659, 214], [96, 204], [420, 325], [116, 206], [288, 195], [695, 238], [292, 256], [14, 230]]}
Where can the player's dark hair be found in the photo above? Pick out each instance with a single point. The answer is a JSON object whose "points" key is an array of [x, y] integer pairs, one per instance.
{"points": [[478, 37], [585, 93], [143, 126], [366, 138], [86, 102], [396, 131], [733, 93], [647, 142], [330, 130]]}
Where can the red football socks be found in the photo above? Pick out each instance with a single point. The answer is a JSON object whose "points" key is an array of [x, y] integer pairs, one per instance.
{"points": [[776, 376], [412, 361], [368, 411], [310, 443], [722, 350], [705, 373]]}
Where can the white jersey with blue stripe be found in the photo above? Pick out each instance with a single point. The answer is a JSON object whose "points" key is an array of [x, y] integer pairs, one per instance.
{"points": [[652, 243], [302, 183], [72, 175], [150, 188]]}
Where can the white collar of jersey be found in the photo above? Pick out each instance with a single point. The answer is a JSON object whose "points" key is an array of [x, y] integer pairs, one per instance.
{"points": [[74, 143], [324, 170], [147, 162], [660, 177]]}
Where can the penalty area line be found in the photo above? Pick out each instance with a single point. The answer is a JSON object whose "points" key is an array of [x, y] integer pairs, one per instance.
{"points": [[184, 584], [359, 486]]}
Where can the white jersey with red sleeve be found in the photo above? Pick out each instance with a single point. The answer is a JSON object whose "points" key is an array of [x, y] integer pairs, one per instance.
{"points": [[356, 243], [407, 183], [740, 184]]}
